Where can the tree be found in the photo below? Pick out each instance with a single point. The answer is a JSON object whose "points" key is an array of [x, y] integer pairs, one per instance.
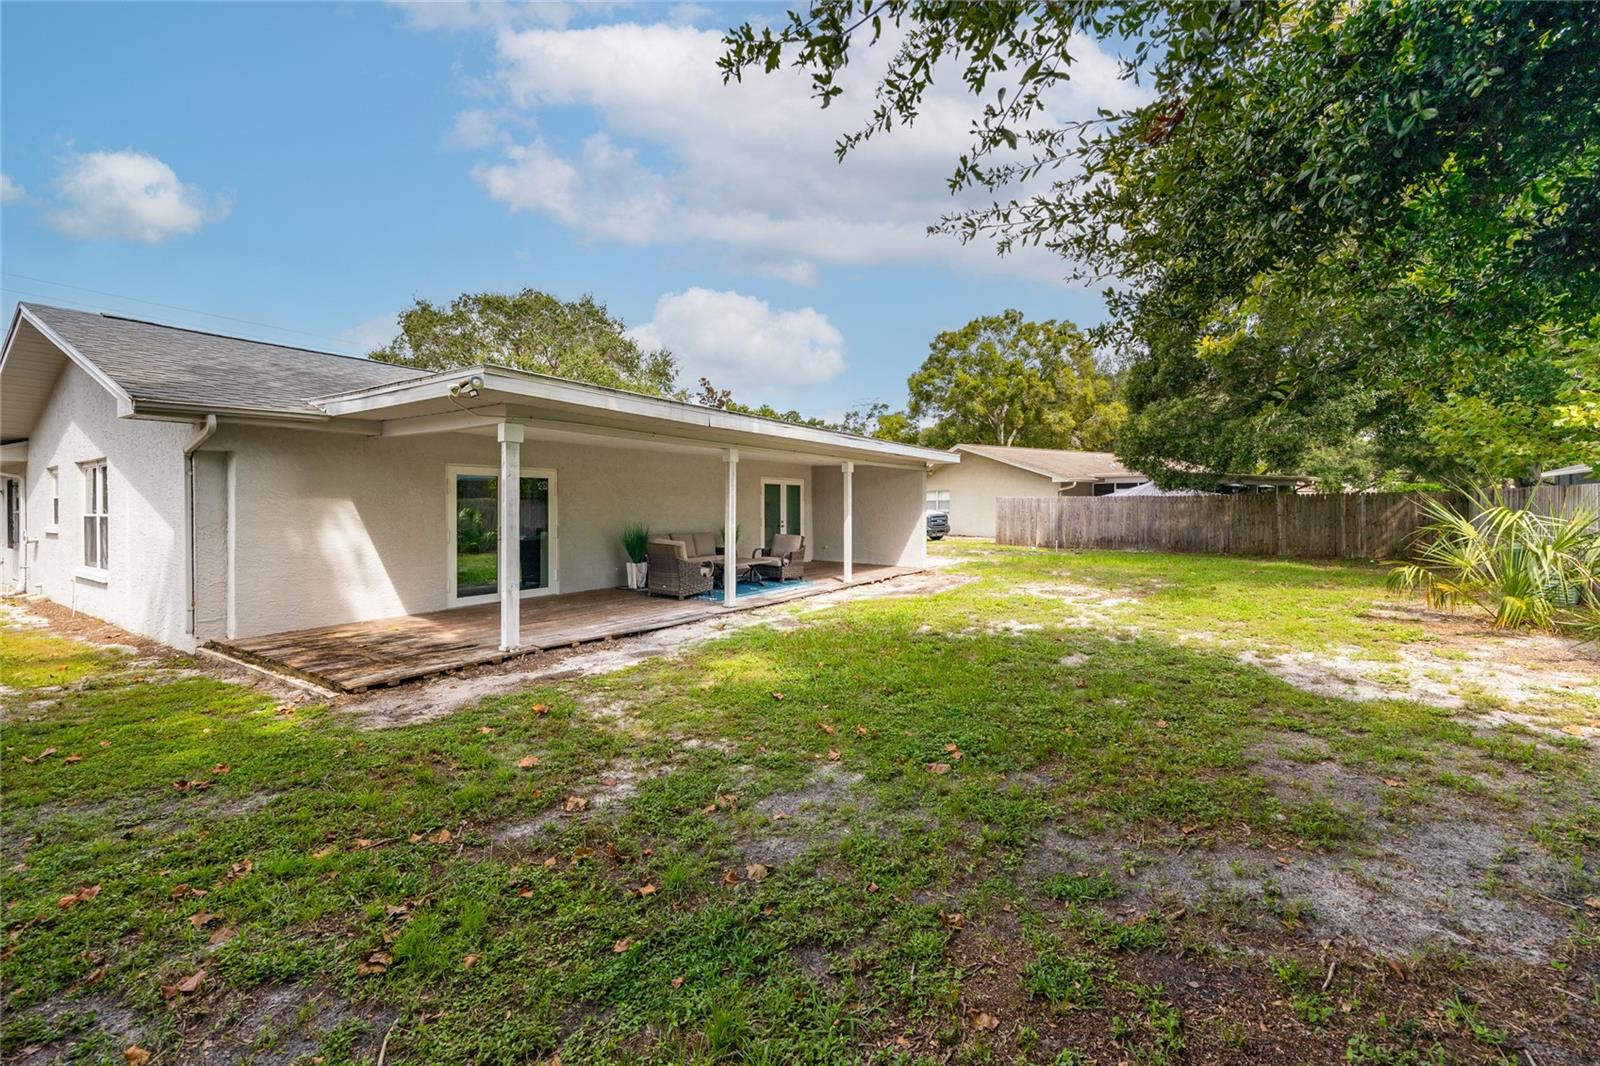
{"points": [[1001, 379], [530, 330], [1330, 221]]}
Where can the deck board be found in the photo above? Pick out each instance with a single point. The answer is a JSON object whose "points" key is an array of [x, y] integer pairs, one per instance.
{"points": [[361, 655]]}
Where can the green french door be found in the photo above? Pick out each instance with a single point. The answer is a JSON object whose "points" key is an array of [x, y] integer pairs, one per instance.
{"points": [[780, 509], [475, 547]]}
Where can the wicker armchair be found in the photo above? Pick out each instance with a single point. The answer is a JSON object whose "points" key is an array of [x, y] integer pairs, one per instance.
{"points": [[786, 558], [673, 573]]}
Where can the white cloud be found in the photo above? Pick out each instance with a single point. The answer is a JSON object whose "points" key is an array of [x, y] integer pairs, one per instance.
{"points": [[477, 14], [373, 333], [749, 167], [475, 128], [10, 191], [741, 343], [128, 195]]}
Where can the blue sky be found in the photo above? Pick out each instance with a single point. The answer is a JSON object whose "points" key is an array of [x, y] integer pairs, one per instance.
{"points": [[299, 172]]}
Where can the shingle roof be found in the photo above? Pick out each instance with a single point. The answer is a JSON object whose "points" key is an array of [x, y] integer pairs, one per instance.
{"points": [[1056, 464], [168, 364]]}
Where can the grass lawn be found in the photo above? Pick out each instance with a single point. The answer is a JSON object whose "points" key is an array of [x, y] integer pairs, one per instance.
{"points": [[1072, 810]]}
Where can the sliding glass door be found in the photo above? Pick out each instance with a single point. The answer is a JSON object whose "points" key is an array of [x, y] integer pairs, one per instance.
{"points": [[780, 508], [475, 544]]}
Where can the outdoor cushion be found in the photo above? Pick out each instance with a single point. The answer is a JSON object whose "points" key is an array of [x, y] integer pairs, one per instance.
{"points": [[680, 550]]}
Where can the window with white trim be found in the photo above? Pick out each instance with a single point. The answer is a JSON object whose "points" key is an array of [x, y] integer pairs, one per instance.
{"points": [[53, 481], [937, 500], [96, 517]]}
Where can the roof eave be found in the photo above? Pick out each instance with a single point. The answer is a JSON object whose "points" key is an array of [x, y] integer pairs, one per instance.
{"points": [[527, 385]]}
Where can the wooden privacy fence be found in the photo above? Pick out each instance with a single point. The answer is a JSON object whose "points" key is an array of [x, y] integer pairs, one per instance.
{"points": [[1357, 525]]}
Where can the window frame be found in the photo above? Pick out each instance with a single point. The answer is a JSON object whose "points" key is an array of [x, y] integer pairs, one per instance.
{"points": [[53, 483], [930, 506], [96, 510]]}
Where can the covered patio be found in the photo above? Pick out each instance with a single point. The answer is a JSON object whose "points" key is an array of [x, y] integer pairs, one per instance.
{"points": [[361, 655]]}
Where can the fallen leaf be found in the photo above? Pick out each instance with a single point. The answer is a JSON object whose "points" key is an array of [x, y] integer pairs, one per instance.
{"points": [[1592, 902], [550, 863], [469, 961], [1569, 728], [95, 976], [541, 709], [647, 890], [70, 759], [46, 753], [201, 919], [729, 877], [677, 982], [220, 936], [938, 768], [953, 920], [1186, 830], [239, 869], [527, 762], [833, 754], [828, 729], [872, 886], [574, 803], [182, 785], [188, 986], [485, 730], [862, 730], [134, 1055], [524, 893], [1161, 723], [776, 695], [609, 782], [756, 871], [710, 808], [105, 743], [323, 852], [218, 769], [377, 961], [1394, 782], [1398, 970], [1283, 860], [581, 853], [443, 836], [622, 945], [363, 843], [982, 1020], [780, 816]]}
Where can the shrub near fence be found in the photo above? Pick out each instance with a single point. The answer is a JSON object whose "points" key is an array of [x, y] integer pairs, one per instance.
{"points": [[1356, 525]]}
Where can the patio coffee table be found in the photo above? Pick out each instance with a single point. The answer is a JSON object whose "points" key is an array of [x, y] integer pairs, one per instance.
{"points": [[743, 570]]}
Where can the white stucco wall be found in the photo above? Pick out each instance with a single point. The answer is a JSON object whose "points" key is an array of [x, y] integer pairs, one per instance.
{"points": [[300, 528], [888, 511], [330, 528], [145, 588], [976, 482]]}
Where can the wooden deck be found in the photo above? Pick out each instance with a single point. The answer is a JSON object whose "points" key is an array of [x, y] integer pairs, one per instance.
{"points": [[361, 655]]}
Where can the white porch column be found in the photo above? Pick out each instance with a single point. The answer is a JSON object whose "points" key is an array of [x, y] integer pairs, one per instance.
{"points": [[510, 536], [849, 470], [730, 528]]}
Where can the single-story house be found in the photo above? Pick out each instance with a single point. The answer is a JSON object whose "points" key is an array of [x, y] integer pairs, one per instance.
{"points": [[198, 488], [966, 491], [1576, 474]]}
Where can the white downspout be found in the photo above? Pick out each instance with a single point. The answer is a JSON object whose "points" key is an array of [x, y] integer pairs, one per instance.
{"points": [[203, 432]]}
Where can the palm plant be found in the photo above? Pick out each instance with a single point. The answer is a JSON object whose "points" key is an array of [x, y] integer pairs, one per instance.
{"points": [[1522, 568]]}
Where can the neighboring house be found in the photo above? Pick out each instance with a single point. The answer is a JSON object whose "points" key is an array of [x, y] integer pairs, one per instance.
{"points": [[1577, 474], [190, 487], [967, 490]]}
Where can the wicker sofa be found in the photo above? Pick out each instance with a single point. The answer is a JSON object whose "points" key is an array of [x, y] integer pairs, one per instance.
{"points": [[673, 572], [785, 560]]}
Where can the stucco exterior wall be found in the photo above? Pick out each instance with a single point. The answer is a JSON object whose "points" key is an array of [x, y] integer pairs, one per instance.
{"points": [[145, 589], [976, 482], [301, 528], [330, 528], [888, 515]]}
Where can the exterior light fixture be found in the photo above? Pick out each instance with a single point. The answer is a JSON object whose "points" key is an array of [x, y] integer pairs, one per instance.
{"points": [[471, 387]]}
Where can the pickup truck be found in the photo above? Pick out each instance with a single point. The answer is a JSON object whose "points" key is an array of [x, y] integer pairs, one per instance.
{"points": [[938, 525]]}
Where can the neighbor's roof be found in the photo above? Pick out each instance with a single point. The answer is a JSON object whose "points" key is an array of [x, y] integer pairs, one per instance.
{"points": [[169, 364], [1056, 464]]}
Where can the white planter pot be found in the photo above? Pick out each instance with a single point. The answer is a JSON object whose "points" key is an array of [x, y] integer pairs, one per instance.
{"points": [[637, 574]]}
